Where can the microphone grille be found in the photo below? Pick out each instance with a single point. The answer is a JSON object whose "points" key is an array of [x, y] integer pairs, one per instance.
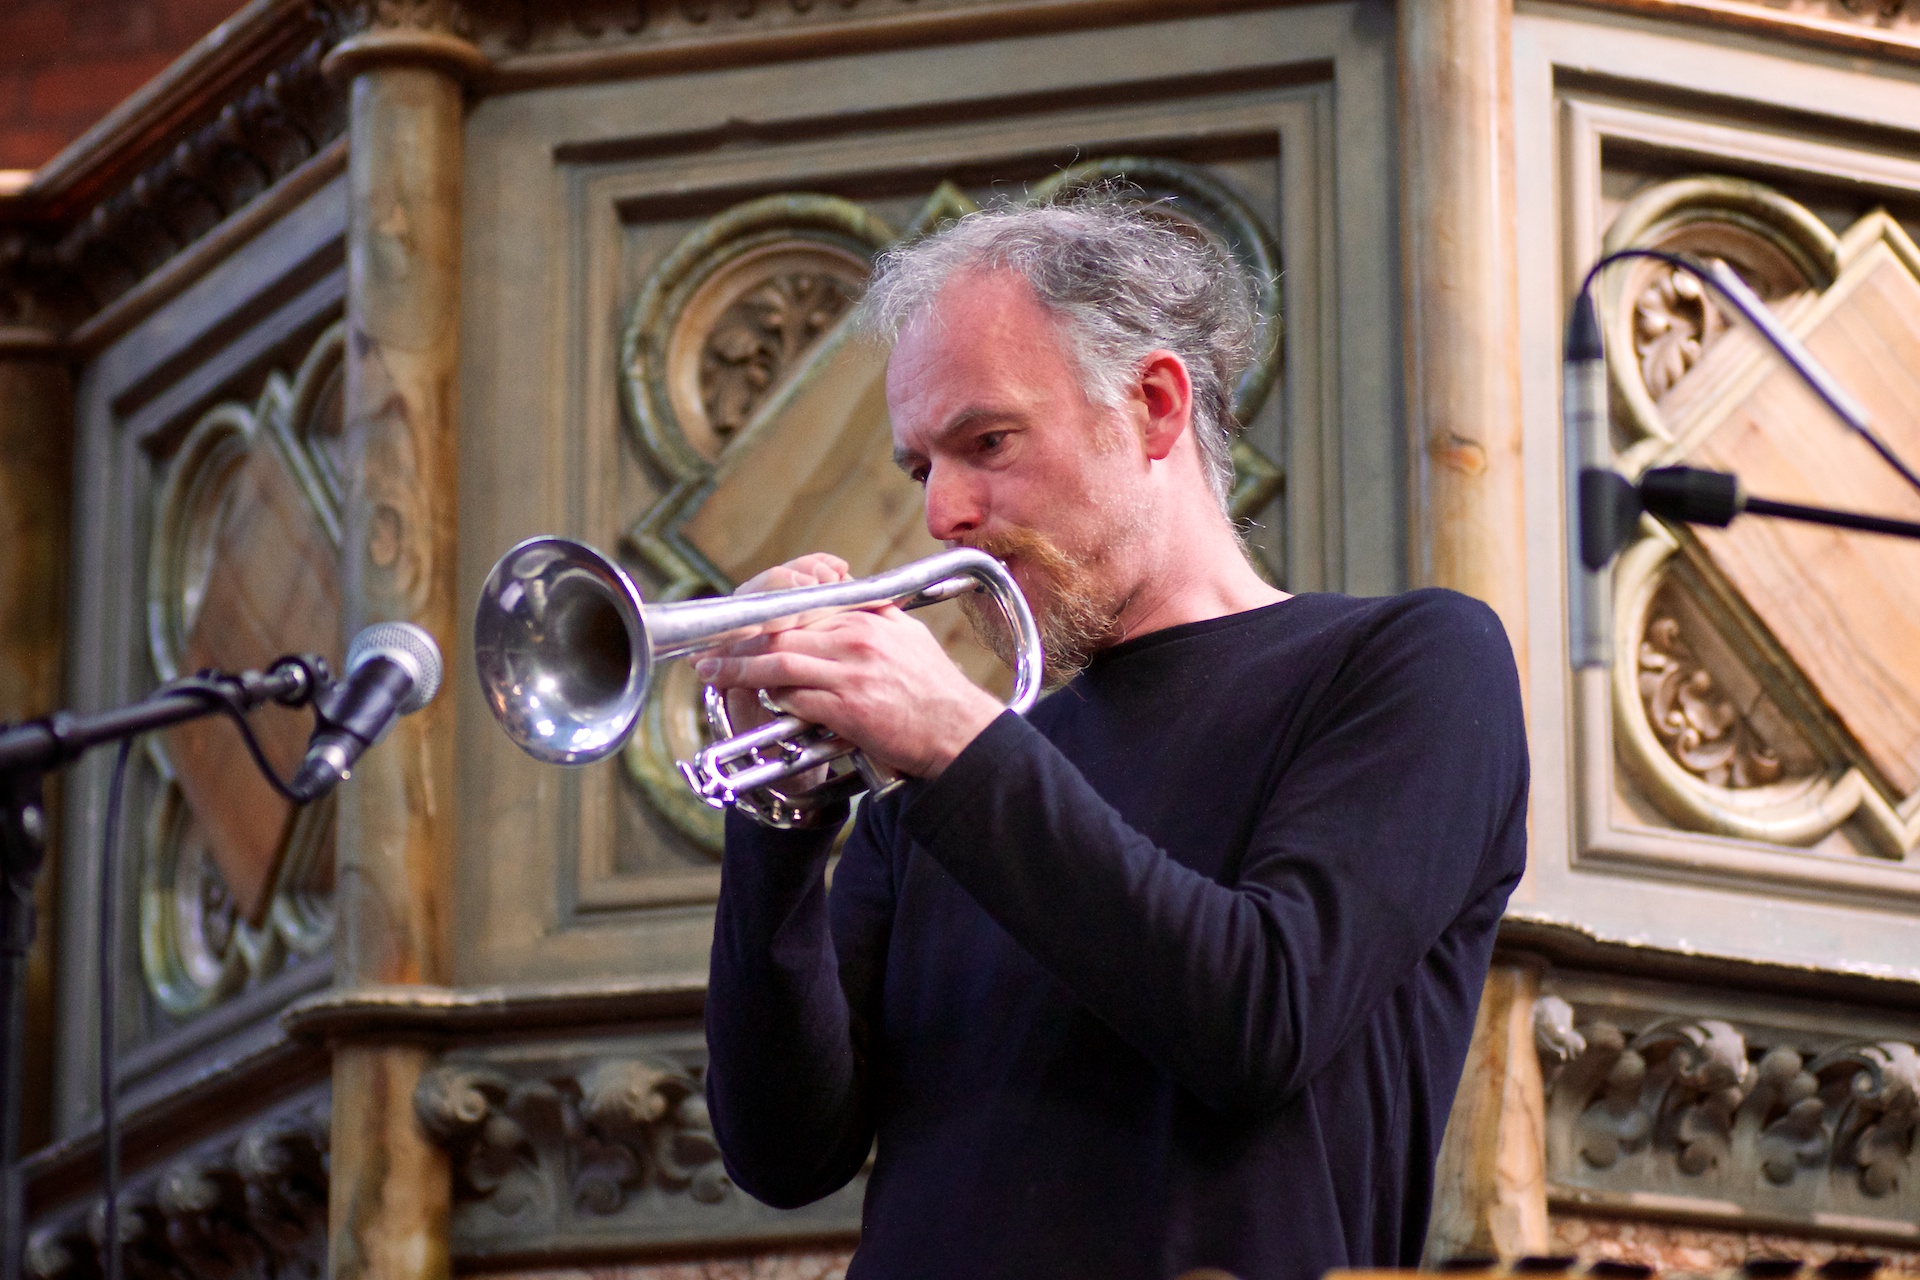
{"points": [[408, 645]]}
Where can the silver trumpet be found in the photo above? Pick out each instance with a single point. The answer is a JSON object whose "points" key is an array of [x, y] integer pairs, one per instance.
{"points": [[566, 646]]}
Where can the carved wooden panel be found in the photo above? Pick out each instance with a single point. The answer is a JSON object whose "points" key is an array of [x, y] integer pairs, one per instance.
{"points": [[243, 567], [1765, 675], [1845, 608], [1712, 792]]}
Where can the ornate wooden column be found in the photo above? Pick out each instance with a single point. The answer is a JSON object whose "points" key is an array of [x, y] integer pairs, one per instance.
{"points": [[1459, 272], [391, 1187], [1466, 522]]}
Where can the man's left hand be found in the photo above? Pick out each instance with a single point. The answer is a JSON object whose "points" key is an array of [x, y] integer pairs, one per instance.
{"points": [[875, 677]]}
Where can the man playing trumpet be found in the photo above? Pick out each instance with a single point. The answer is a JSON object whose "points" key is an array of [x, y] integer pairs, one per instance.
{"points": [[1180, 969]]}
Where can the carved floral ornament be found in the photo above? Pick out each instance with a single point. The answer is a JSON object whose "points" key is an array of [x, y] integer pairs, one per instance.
{"points": [[1698, 1109], [1735, 712], [747, 393], [243, 565]]}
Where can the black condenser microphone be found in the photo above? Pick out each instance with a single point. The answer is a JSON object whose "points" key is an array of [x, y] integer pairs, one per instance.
{"points": [[393, 669], [1601, 505]]}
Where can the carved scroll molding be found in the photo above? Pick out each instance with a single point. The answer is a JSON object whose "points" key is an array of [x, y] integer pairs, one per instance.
{"points": [[1696, 720], [253, 1206], [746, 389], [243, 565], [1730, 1120], [724, 321], [593, 1146], [198, 947]]}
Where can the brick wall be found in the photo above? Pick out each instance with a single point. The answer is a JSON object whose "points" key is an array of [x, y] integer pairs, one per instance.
{"points": [[66, 63]]}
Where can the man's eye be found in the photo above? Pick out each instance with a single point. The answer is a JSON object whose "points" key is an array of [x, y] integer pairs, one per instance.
{"points": [[990, 440], [918, 475]]}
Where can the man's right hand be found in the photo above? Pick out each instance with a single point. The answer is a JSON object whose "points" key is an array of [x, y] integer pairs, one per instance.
{"points": [[814, 569]]}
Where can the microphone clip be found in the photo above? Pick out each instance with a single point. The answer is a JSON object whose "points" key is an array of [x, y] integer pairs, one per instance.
{"points": [[1611, 504], [362, 704]]}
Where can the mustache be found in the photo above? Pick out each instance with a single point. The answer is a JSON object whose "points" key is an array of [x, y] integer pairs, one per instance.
{"points": [[1075, 620], [1028, 545]]}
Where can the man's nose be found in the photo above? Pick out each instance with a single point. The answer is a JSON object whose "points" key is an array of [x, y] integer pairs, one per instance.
{"points": [[954, 509]]}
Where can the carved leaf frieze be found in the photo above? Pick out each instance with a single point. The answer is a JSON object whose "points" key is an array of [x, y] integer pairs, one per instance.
{"points": [[1703, 1109], [253, 1207], [535, 1152], [517, 26], [1874, 14], [598, 1145]]}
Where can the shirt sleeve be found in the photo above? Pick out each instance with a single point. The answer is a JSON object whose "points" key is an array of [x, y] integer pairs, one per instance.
{"points": [[1403, 805], [787, 1043]]}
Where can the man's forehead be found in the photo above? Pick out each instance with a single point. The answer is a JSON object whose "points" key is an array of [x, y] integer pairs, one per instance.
{"points": [[936, 391], [977, 323]]}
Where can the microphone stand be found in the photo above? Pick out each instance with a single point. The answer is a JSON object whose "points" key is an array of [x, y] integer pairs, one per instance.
{"points": [[30, 751]]}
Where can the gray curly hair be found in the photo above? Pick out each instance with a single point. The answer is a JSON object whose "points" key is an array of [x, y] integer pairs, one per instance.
{"points": [[1120, 282]]}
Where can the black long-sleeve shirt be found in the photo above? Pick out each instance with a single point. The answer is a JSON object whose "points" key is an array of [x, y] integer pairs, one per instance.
{"points": [[1178, 971]]}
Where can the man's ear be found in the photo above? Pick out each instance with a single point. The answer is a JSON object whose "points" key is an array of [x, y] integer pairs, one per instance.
{"points": [[1167, 395]]}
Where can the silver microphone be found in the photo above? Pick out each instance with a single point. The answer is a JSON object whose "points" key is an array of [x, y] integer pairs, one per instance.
{"points": [[393, 669]]}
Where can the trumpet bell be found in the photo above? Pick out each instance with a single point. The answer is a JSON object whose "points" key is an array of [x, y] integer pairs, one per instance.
{"points": [[562, 650]]}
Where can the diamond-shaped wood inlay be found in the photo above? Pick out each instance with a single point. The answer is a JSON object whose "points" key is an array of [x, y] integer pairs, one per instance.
{"points": [[1844, 606]]}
